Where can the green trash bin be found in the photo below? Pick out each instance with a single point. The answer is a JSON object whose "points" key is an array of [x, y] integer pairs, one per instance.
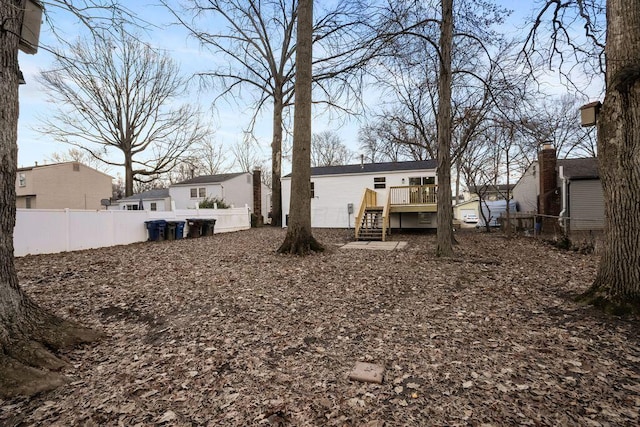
{"points": [[208, 227], [171, 230]]}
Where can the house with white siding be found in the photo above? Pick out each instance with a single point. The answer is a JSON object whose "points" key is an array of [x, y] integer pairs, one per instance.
{"points": [[403, 193], [235, 189], [568, 188], [157, 199]]}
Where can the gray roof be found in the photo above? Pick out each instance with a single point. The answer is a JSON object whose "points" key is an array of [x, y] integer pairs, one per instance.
{"points": [[585, 168], [372, 168], [490, 188], [156, 193], [210, 179]]}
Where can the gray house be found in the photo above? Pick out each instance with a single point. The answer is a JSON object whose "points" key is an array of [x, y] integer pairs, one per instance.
{"points": [[568, 188]]}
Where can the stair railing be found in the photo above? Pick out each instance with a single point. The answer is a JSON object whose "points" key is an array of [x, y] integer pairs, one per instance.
{"points": [[369, 198], [385, 216]]}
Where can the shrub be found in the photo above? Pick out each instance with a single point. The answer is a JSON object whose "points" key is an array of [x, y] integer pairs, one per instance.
{"points": [[210, 203]]}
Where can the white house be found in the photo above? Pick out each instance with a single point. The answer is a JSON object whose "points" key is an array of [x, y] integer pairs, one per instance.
{"points": [[568, 188], [337, 192], [235, 189], [152, 200]]}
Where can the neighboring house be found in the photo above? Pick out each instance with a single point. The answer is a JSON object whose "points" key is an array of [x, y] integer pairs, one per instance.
{"points": [[569, 188], [470, 207], [337, 194], [157, 199], [70, 185], [489, 192], [235, 189]]}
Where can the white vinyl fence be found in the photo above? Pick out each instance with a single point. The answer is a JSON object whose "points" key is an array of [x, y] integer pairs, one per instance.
{"points": [[43, 231]]}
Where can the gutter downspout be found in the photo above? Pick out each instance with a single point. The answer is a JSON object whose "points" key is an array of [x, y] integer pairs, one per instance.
{"points": [[565, 187]]}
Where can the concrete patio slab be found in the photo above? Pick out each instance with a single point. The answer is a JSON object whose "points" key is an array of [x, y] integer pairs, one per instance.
{"points": [[378, 246]]}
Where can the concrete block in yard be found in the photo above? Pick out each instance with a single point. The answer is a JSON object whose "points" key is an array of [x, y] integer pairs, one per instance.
{"points": [[367, 372]]}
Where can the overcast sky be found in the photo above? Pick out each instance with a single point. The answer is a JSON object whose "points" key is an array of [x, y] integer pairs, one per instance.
{"points": [[228, 121]]}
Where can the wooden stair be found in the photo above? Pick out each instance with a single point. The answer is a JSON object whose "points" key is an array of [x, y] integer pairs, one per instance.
{"points": [[371, 226]]}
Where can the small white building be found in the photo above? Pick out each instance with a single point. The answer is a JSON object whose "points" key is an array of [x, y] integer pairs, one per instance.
{"points": [[157, 199], [337, 191], [235, 189]]}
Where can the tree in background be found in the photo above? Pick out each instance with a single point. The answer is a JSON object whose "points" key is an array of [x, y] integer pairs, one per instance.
{"points": [[29, 335], [115, 94], [327, 149], [76, 155], [258, 43], [299, 240], [246, 156]]}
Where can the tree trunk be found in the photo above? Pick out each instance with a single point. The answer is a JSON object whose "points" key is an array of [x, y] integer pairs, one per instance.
{"points": [[128, 174], [299, 240], [276, 159], [445, 215], [26, 331], [617, 284]]}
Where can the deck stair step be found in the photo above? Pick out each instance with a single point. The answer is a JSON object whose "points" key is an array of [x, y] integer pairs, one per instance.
{"points": [[371, 226]]}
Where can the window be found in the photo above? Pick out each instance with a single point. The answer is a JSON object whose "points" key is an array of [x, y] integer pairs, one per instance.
{"points": [[202, 192], [380, 182], [154, 206], [313, 189], [27, 203], [22, 179], [132, 207], [422, 180], [194, 193]]}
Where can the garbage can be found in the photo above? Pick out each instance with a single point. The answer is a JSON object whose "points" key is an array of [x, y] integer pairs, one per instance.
{"points": [[195, 227], [162, 229], [179, 229], [152, 228], [171, 230], [208, 227], [156, 229]]}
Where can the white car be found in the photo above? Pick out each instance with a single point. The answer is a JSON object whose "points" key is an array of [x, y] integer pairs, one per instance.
{"points": [[470, 218]]}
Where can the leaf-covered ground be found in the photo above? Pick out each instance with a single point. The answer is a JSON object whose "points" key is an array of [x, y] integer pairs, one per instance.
{"points": [[223, 331]]}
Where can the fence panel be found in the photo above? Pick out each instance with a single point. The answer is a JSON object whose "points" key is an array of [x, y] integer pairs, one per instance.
{"points": [[41, 231]]}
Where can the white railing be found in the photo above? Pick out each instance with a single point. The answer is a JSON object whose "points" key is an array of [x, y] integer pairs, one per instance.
{"points": [[42, 231]]}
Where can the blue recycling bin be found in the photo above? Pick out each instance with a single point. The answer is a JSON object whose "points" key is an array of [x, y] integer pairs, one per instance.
{"points": [[179, 229], [156, 229]]}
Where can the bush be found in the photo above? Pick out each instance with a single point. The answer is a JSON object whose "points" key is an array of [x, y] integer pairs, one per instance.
{"points": [[210, 203]]}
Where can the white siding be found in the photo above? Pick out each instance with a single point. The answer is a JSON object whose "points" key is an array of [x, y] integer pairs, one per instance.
{"points": [[181, 195], [333, 193], [525, 193], [586, 205]]}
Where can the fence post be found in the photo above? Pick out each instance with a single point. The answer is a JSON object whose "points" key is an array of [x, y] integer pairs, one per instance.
{"points": [[67, 229]]}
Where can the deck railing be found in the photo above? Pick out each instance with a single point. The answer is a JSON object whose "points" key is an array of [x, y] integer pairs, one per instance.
{"points": [[413, 195]]}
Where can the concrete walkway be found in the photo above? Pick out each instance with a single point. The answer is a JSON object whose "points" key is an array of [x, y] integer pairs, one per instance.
{"points": [[378, 246]]}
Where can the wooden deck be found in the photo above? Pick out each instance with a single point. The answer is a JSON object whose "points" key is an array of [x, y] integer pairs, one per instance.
{"points": [[413, 198], [372, 220]]}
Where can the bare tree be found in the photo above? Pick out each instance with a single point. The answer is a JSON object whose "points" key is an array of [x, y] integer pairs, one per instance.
{"points": [[556, 121], [246, 154], [444, 241], [617, 284], [76, 155], [29, 335], [258, 43], [299, 240], [328, 150], [115, 94]]}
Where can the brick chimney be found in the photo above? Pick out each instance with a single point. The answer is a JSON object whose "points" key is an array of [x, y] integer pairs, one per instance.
{"points": [[257, 195], [549, 198]]}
